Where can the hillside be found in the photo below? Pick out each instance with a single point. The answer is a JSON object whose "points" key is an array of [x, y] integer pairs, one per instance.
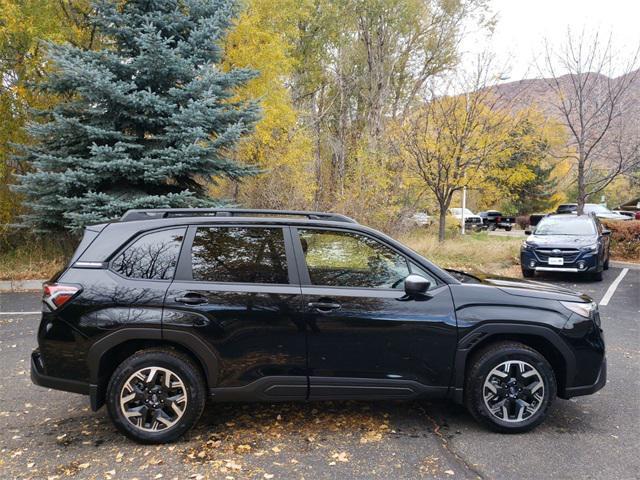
{"points": [[524, 93]]}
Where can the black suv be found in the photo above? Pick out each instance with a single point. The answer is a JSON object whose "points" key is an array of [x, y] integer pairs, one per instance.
{"points": [[566, 243], [163, 309]]}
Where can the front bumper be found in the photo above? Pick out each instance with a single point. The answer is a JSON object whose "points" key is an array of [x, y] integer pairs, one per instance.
{"points": [[600, 382], [583, 262]]}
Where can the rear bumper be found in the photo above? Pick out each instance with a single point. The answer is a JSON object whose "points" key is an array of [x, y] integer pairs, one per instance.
{"points": [[38, 377], [600, 382]]}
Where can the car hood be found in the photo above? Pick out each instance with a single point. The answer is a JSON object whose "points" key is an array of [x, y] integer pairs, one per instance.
{"points": [[612, 216], [524, 288], [561, 241]]}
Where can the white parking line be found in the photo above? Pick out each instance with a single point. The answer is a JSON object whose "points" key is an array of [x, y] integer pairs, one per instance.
{"points": [[20, 313], [612, 288]]}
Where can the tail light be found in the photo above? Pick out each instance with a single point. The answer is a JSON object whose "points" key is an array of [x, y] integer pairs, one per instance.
{"points": [[57, 294], [498, 218], [638, 215]]}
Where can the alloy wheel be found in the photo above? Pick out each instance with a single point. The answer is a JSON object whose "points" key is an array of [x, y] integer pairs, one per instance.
{"points": [[513, 391], [153, 399]]}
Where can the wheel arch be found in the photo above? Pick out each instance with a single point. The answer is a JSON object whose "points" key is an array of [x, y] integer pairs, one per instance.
{"points": [[542, 339], [106, 354]]}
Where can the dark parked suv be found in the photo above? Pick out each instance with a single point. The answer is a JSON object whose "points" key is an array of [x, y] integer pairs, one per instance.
{"points": [[566, 243], [163, 309]]}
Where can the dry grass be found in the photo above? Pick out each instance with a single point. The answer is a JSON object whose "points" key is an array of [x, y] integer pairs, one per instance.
{"points": [[32, 259], [478, 251]]}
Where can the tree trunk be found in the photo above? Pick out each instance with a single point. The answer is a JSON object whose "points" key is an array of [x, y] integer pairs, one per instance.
{"points": [[581, 183], [442, 222]]}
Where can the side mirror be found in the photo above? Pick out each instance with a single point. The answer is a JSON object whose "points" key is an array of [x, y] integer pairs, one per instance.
{"points": [[606, 232], [528, 232], [416, 285]]}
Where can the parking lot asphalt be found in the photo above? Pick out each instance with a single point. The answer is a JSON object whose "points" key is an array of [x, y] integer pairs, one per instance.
{"points": [[51, 434]]}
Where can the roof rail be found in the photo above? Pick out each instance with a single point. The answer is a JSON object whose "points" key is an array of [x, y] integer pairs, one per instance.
{"points": [[157, 213]]}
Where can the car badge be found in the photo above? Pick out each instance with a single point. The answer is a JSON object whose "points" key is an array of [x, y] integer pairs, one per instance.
{"points": [[556, 251]]}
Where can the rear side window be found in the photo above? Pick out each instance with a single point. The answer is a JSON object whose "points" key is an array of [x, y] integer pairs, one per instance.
{"points": [[153, 256], [239, 254]]}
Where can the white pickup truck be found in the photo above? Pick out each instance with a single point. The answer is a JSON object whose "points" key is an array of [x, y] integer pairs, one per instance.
{"points": [[471, 220]]}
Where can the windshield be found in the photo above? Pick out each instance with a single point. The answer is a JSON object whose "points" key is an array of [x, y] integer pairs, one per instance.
{"points": [[565, 226], [596, 209]]}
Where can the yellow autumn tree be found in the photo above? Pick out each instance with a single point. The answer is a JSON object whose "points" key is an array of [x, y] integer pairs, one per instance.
{"points": [[452, 142], [280, 147], [25, 26]]}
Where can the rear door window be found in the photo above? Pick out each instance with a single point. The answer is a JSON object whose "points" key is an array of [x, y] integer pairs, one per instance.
{"points": [[239, 255], [153, 256]]}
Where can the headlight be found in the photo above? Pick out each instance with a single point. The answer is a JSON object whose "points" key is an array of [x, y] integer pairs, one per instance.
{"points": [[590, 248], [582, 309], [526, 245]]}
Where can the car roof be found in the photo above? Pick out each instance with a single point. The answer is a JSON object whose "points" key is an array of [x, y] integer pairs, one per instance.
{"points": [[585, 216], [165, 213]]}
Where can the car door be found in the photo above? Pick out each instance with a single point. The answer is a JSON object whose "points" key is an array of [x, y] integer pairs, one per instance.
{"points": [[366, 338], [237, 288]]}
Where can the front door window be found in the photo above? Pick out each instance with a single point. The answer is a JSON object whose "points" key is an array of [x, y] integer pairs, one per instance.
{"points": [[345, 259]]}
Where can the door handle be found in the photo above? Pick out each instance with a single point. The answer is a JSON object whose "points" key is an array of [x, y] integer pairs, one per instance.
{"points": [[192, 299], [324, 306]]}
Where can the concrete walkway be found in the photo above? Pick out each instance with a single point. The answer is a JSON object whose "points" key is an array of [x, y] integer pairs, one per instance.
{"points": [[20, 285]]}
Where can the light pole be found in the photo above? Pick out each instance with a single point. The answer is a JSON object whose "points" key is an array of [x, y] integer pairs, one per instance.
{"points": [[464, 206]]}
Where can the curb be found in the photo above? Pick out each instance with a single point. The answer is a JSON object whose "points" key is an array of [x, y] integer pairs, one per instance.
{"points": [[21, 285], [629, 265]]}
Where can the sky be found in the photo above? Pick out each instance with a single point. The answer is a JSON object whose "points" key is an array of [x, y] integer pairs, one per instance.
{"points": [[523, 25]]}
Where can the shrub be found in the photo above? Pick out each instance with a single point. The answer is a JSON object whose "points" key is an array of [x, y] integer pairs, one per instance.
{"points": [[522, 221], [625, 239]]}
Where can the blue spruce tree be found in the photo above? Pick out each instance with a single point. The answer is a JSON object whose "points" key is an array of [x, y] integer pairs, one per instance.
{"points": [[147, 121]]}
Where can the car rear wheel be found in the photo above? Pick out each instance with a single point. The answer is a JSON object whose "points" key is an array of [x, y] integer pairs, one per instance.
{"points": [[510, 387], [156, 395]]}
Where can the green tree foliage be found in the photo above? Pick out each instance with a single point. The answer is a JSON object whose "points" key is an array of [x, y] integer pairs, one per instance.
{"points": [[362, 64], [147, 121], [523, 181]]}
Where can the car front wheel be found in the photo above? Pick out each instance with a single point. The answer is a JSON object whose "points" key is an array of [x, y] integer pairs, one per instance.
{"points": [[510, 387], [528, 273], [156, 395]]}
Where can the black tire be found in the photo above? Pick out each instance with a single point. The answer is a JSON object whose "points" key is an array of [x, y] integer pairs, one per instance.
{"points": [[596, 276], [493, 227], [182, 367], [491, 357], [526, 273], [507, 229]]}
